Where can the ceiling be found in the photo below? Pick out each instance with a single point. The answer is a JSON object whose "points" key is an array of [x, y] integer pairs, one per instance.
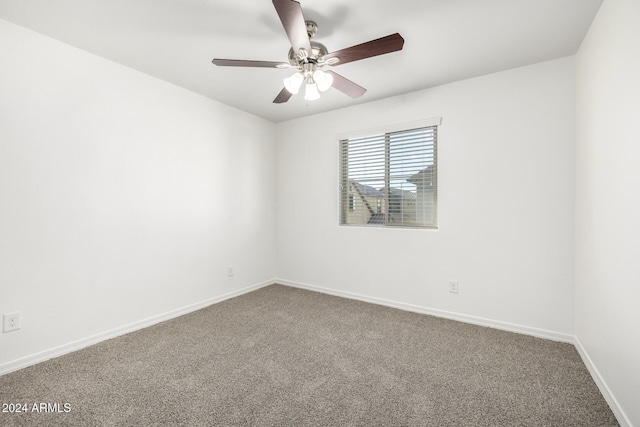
{"points": [[445, 41]]}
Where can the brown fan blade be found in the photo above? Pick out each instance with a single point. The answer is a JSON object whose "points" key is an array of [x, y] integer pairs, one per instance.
{"points": [[388, 44], [346, 86], [245, 63], [282, 97], [292, 19]]}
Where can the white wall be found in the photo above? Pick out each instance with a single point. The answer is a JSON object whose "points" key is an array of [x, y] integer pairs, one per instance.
{"points": [[608, 202], [506, 194], [122, 197]]}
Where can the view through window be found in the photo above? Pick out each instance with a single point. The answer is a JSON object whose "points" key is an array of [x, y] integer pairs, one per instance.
{"points": [[390, 179]]}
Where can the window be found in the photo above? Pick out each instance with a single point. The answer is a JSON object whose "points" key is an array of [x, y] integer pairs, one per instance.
{"points": [[390, 178]]}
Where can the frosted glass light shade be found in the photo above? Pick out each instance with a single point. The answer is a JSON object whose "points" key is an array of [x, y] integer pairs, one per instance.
{"points": [[293, 83], [323, 80], [311, 93]]}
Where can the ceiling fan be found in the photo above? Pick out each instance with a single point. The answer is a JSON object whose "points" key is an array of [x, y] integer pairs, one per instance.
{"points": [[308, 57]]}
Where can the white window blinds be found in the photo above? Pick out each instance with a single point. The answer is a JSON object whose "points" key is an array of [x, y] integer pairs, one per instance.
{"points": [[389, 179]]}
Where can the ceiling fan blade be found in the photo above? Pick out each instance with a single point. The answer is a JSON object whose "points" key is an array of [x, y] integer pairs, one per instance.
{"points": [[282, 97], [388, 44], [346, 86], [292, 19], [245, 63]]}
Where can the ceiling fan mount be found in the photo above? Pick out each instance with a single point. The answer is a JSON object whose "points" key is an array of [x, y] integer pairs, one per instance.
{"points": [[312, 28], [308, 57]]}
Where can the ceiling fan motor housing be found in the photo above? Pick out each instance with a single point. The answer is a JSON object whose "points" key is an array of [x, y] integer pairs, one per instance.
{"points": [[318, 50]]}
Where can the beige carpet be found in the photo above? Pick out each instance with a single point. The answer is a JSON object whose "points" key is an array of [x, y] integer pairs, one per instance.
{"points": [[281, 356]]}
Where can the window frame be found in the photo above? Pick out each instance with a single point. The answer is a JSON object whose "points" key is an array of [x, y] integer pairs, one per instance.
{"points": [[343, 209]]}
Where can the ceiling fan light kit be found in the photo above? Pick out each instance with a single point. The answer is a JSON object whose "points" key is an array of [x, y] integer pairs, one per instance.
{"points": [[323, 80], [308, 57], [293, 83], [315, 79], [311, 92]]}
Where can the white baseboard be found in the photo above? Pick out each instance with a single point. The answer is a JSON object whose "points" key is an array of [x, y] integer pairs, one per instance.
{"points": [[42, 356], [505, 326], [623, 420]]}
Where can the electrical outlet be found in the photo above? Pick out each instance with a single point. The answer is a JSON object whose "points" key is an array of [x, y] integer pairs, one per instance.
{"points": [[11, 321], [453, 286], [230, 271]]}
